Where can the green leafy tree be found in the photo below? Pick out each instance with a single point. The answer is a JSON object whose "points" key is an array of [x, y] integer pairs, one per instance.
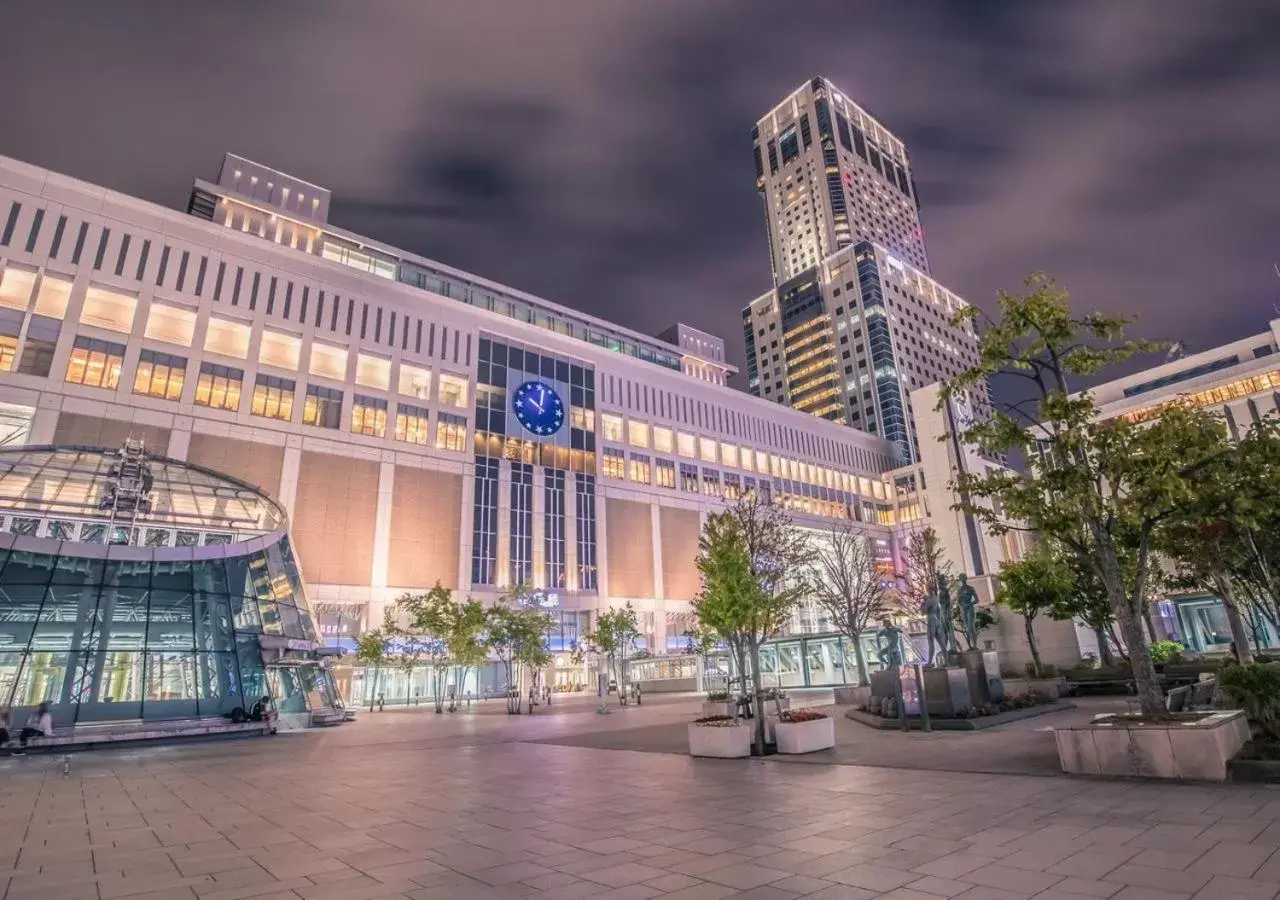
{"points": [[431, 618], [1087, 483], [753, 564], [371, 650], [466, 642], [851, 586], [1035, 584], [613, 640], [1210, 557], [515, 633]]}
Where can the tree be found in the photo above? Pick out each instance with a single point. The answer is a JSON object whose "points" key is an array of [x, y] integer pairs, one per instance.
{"points": [[1088, 483], [1209, 556], [432, 616], [850, 586], [516, 634], [613, 639], [1032, 585], [371, 649], [466, 642], [923, 561], [753, 564]]}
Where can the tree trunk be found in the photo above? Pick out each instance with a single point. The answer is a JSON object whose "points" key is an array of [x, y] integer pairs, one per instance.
{"points": [[1152, 635], [1146, 683], [1031, 644], [1227, 594], [860, 656], [1104, 647], [756, 702]]}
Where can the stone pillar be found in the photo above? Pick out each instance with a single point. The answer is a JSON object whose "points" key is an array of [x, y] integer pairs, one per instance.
{"points": [[382, 521], [289, 473], [539, 577], [44, 422], [502, 578], [659, 590], [602, 544], [466, 525], [179, 438], [571, 531]]}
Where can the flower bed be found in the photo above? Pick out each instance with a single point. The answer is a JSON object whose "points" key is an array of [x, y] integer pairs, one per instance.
{"points": [[719, 737], [804, 731]]}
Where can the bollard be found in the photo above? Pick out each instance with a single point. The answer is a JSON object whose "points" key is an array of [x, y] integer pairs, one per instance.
{"points": [[66, 765]]}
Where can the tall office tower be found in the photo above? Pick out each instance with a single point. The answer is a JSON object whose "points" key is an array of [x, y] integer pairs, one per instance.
{"points": [[848, 339], [831, 176]]}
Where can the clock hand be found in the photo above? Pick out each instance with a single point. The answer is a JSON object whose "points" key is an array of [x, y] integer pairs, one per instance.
{"points": [[535, 404]]}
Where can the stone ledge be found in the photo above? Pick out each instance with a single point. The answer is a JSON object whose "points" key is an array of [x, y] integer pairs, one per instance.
{"points": [[1257, 771], [914, 723]]}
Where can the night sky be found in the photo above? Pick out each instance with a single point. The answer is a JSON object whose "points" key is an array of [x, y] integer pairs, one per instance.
{"points": [[598, 152]]}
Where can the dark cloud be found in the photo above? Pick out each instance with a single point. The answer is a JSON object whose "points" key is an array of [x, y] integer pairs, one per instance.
{"points": [[598, 153]]}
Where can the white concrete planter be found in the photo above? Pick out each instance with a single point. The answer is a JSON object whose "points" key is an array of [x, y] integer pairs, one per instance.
{"points": [[717, 708], [806, 737], [1189, 747], [1020, 687], [853, 695], [720, 742]]}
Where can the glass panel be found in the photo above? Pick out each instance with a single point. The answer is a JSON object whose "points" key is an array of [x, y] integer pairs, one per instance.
{"points": [[213, 622], [170, 686], [34, 679], [21, 609], [169, 621], [172, 576], [209, 575], [77, 570], [28, 568], [219, 687], [68, 618], [269, 610], [245, 611], [290, 689], [825, 663], [118, 677]]}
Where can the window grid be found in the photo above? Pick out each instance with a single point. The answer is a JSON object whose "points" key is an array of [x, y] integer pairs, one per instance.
{"points": [[323, 407], [585, 525], [554, 562], [95, 363], [451, 432], [484, 536], [521, 566], [412, 425], [369, 416], [273, 398], [218, 387], [160, 375]]}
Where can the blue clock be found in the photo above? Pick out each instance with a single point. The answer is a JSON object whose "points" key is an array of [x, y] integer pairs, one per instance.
{"points": [[538, 408]]}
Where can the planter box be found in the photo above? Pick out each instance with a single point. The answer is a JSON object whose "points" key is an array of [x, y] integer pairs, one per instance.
{"points": [[1188, 747], [732, 742], [853, 695], [806, 737], [941, 723], [1050, 687], [717, 708]]}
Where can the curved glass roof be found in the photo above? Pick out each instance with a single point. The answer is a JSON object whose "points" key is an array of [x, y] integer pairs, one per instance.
{"points": [[86, 483]]}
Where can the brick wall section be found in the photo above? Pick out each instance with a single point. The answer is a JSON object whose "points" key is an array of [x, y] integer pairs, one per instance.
{"points": [[333, 518], [629, 533], [426, 510]]}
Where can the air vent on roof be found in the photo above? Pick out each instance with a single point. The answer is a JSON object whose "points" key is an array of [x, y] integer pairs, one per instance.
{"points": [[202, 204]]}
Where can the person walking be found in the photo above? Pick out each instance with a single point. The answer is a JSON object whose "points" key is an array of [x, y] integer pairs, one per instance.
{"points": [[39, 724]]}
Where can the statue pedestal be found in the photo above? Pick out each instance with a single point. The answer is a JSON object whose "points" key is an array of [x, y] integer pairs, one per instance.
{"points": [[885, 685], [983, 670], [946, 691]]}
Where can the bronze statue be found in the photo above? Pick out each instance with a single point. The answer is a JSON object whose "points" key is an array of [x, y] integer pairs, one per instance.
{"points": [[936, 631], [889, 644], [968, 598]]}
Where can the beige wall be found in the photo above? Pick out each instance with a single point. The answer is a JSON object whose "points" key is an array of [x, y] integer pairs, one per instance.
{"points": [[258, 464], [426, 512], [629, 554], [680, 529], [333, 518], [73, 428]]}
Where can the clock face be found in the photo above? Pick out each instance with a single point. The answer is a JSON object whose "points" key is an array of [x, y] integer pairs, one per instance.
{"points": [[538, 408]]}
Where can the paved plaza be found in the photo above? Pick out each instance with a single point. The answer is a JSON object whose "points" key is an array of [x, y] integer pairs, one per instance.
{"points": [[481, 805]]}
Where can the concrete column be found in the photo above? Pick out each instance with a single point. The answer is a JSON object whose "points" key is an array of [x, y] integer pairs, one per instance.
{"points": [[289, 473], [44, 423], [659, 590], [602, 544], [571, 531], [466, 525], [382, 522], [503, 575], [539, 579], [179, 438]]}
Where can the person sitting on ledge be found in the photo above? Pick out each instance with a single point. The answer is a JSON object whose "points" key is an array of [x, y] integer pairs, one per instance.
{"points": [[39, 724]]}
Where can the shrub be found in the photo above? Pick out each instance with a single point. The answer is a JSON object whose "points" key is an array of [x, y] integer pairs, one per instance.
{"points": [[1163, 652], [1047, 670], [715, 721], [1256, 688], [717, 696]]}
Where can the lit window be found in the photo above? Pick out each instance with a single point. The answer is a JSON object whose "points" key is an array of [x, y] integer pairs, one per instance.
{"points": [[8, 352], [665, 469], [580, 417], [411, 424], [227, 338], [322, 407], [688, 478], [54, 295], [614, 462], [95, 363], [328, 361], [710, 483], [369, 416], [160, 375], [109, 310], [273, 398], [611, 427], [662, 439], [170, 324], [219, 387], [638, 434], [16, 288], [451, 433], [280, 350], [686, 445], [640, 472], [707, 449], [415, 382], [728, 454], [746, 459], [373, 372], [453, 390]]}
